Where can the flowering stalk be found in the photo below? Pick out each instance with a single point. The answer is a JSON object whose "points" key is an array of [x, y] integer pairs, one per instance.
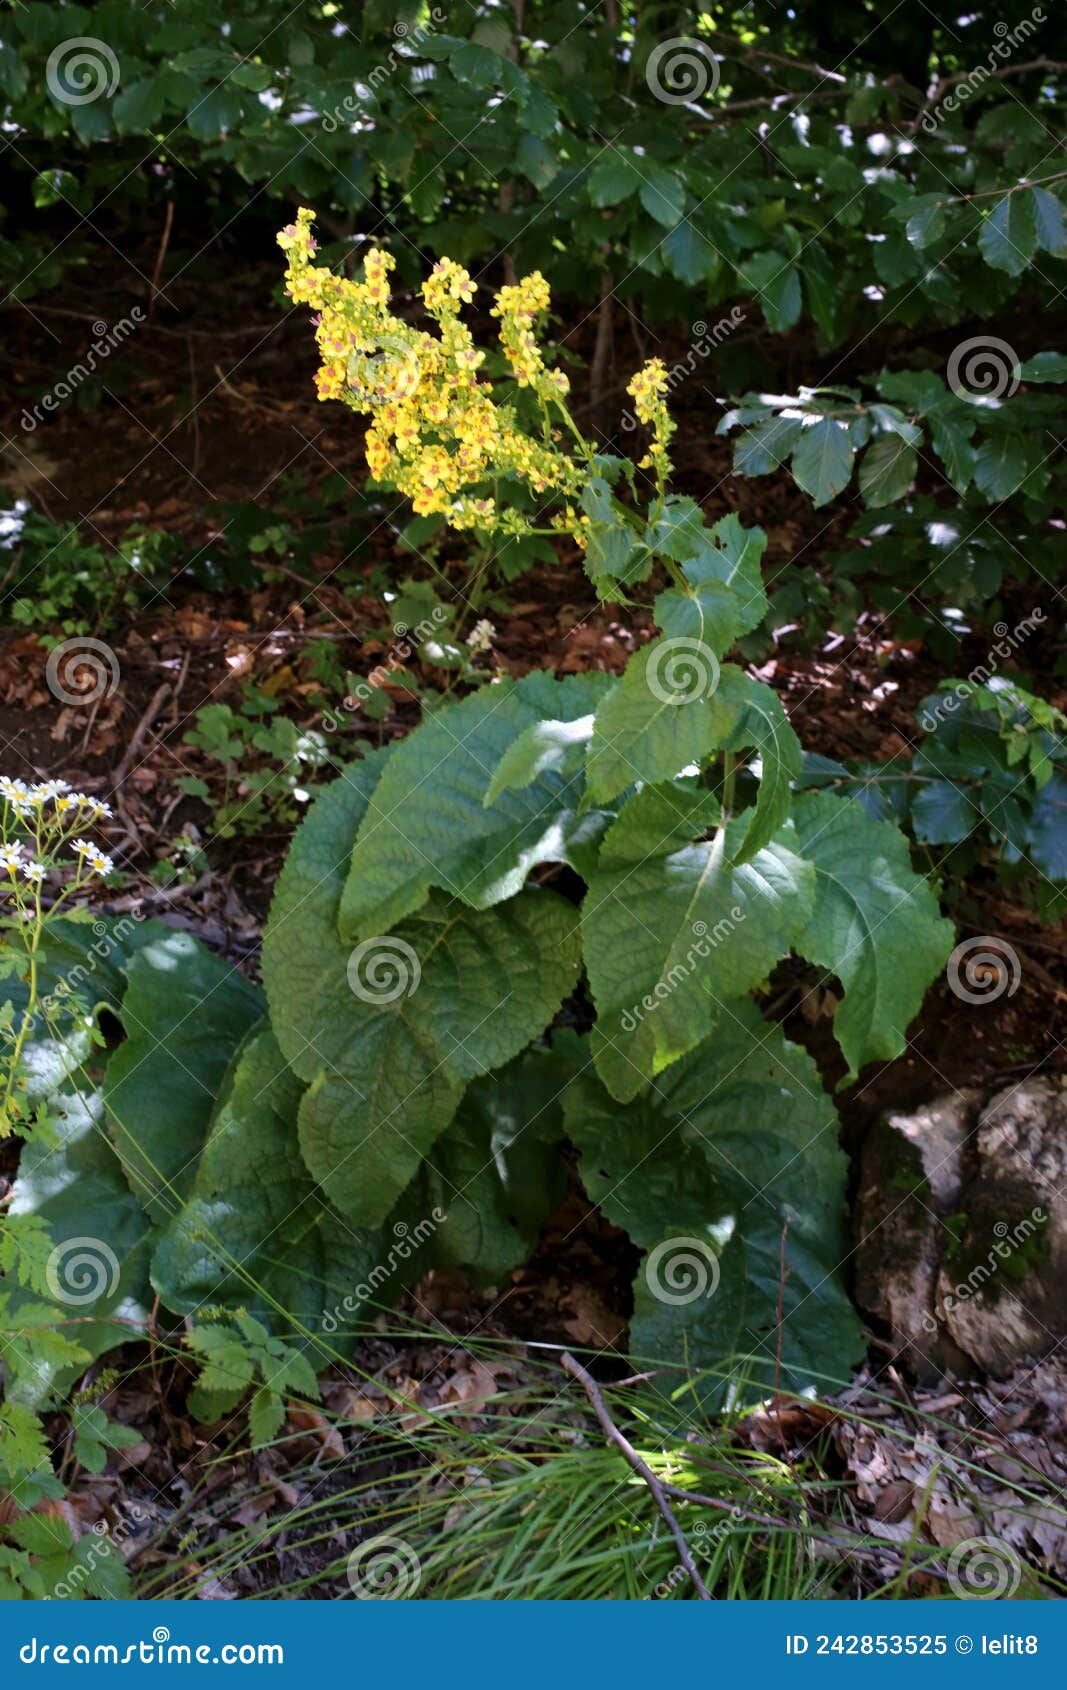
{"points": [[37, 828], [438, 432]]}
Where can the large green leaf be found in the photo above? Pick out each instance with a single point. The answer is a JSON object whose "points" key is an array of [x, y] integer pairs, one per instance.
{"points": [[98, 1270], [496, 1173], [256, 1233], [302, 926], [403, 1022], [427, 823], [659, 719], [887, 470], [80, 968], [723, 596], [759, 721], [875, 924], [185, 1012], [673, 935], [726, 1167]]}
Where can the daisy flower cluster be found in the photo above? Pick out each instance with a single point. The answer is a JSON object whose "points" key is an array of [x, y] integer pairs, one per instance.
{"points": [[437, 433], [36, 826]]}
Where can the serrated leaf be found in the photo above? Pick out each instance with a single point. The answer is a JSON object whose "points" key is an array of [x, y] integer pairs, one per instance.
{"points": [[139, 106], [256, 1234], [721, 566], [496, 1174], [537, 161], [1044, 366], [875, 924], [544, 747], [759, 721], [766, 446], [887, 470], [660, 719], [426, 823], [266, 1416], [614, 177], [24, 1449], [688, 255], [822, 459], [1003, 462], [951, 440], [481, 985], [724, 1167], [302, 925], [671, 936], [79, 964]]}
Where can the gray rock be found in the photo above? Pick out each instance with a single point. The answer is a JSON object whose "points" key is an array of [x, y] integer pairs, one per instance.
{"points": [[962, 1223]]}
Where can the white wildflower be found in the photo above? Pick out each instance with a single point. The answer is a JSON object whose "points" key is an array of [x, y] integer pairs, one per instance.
{"points": [[481, 636]]}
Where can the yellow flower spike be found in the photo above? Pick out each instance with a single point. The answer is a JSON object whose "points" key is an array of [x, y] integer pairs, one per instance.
{"points": [[646, 389], [437, 433]]}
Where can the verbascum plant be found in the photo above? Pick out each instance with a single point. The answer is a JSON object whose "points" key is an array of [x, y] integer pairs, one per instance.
{"points": [[547, 916]]}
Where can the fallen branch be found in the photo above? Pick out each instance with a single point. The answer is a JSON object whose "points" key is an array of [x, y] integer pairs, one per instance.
{"points": [[659, 1497]]}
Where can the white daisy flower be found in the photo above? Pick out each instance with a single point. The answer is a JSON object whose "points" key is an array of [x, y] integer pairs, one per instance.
{"points": [[101, 863], [33, 872], [9, 857], [84, 848], [101, 809], [15, 791]]}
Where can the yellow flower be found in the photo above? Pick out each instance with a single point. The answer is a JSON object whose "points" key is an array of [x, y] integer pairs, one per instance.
{"points": [[438, 433], [646, 389]]}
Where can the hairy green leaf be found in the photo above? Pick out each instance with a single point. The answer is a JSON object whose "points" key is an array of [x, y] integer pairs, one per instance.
{"points": [[185, 1012], [427, 823], [726, 1171], [672, 938], [875, 924]]}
